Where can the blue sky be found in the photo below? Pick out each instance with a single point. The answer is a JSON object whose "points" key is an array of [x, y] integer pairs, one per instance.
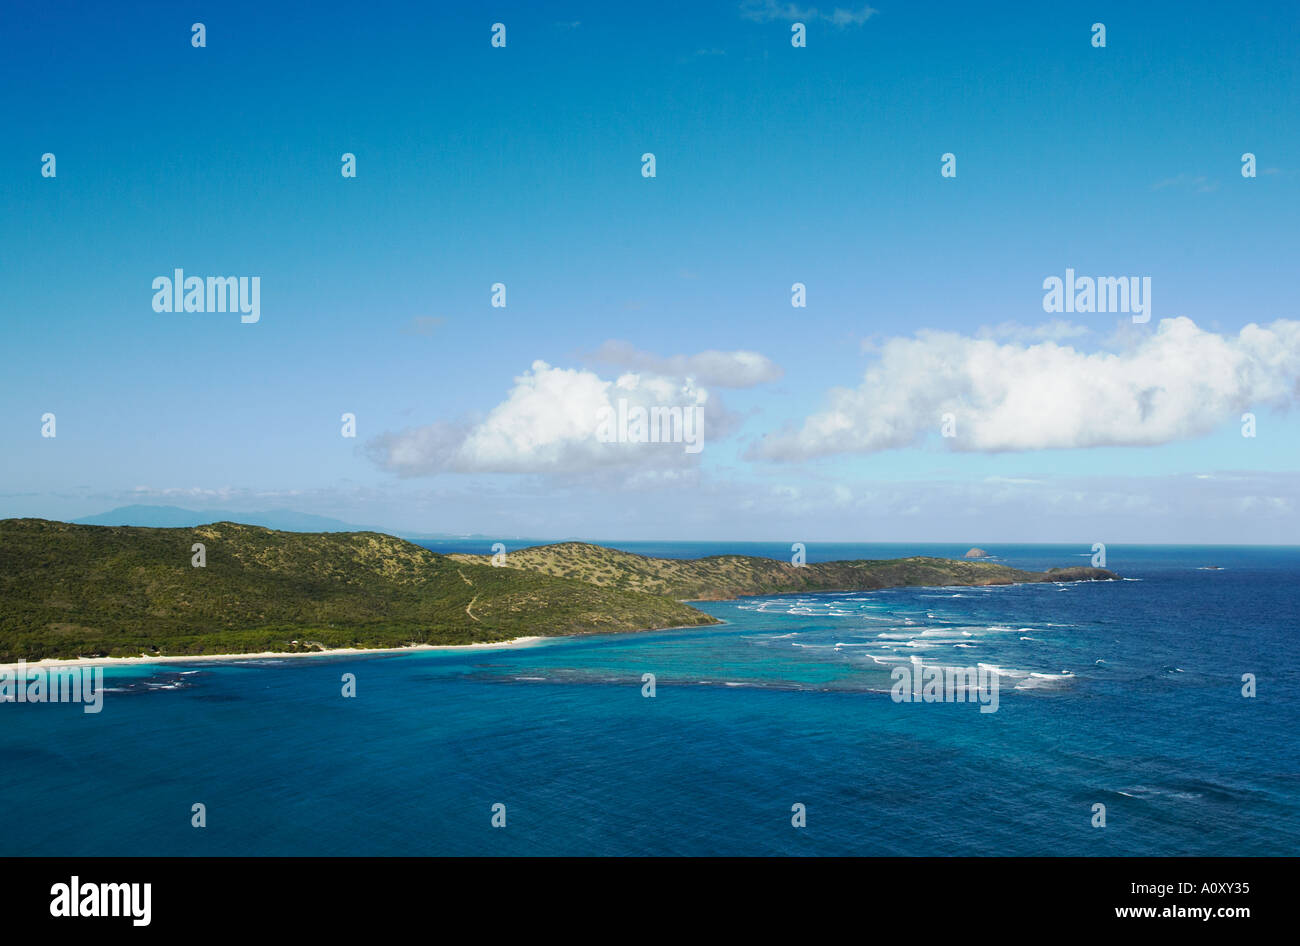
{"points": [[775, 165]]}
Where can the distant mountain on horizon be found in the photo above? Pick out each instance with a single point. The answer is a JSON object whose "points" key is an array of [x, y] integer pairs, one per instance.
{"points": [[282, 520]]}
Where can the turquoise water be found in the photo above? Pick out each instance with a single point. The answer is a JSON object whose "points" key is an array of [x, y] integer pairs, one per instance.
{"points": [[1126, 694]]}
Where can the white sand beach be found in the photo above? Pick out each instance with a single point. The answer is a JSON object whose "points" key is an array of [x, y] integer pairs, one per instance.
{"points": [[264, 655]]}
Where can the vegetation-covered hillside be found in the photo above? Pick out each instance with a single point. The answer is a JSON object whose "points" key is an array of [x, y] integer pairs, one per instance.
{"points": [[75, 590], [730, 576], [78, 590]]}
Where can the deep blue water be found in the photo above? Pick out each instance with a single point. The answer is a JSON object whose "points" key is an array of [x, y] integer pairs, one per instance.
{"points": [[1126, 694]]}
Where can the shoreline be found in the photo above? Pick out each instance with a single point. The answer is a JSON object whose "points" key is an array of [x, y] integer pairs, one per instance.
{"points": [[143, 660]]}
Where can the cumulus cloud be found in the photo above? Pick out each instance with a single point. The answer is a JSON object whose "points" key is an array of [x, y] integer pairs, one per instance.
{"points": [[721, 369], [1175, 383], [559, 420]]}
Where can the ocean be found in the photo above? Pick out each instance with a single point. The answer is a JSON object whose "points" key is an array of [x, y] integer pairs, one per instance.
{"points": [[1122, 694]]}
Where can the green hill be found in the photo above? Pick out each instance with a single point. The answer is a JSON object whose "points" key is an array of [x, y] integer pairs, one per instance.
{"points": [[731, 576], [77, 590]]}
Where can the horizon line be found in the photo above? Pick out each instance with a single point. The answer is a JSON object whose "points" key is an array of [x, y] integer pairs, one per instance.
{"points": [[594, 541]]}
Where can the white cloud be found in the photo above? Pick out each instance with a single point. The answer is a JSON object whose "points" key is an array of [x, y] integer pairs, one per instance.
{"points": [[1175, 383], [722, 369], [764, 11], [1197, 182], [550, 423], [1212, 506]]}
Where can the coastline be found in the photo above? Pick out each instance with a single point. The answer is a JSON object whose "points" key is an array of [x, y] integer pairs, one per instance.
{"points": [[526, 641], [143, 660]]}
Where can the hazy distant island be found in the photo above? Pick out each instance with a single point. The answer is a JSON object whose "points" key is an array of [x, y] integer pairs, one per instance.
{"points": [[69, 590], [977, 553]]}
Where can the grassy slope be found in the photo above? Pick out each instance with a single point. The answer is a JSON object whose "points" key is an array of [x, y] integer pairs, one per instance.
{"points": [[730, 576], [69, 590]]}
